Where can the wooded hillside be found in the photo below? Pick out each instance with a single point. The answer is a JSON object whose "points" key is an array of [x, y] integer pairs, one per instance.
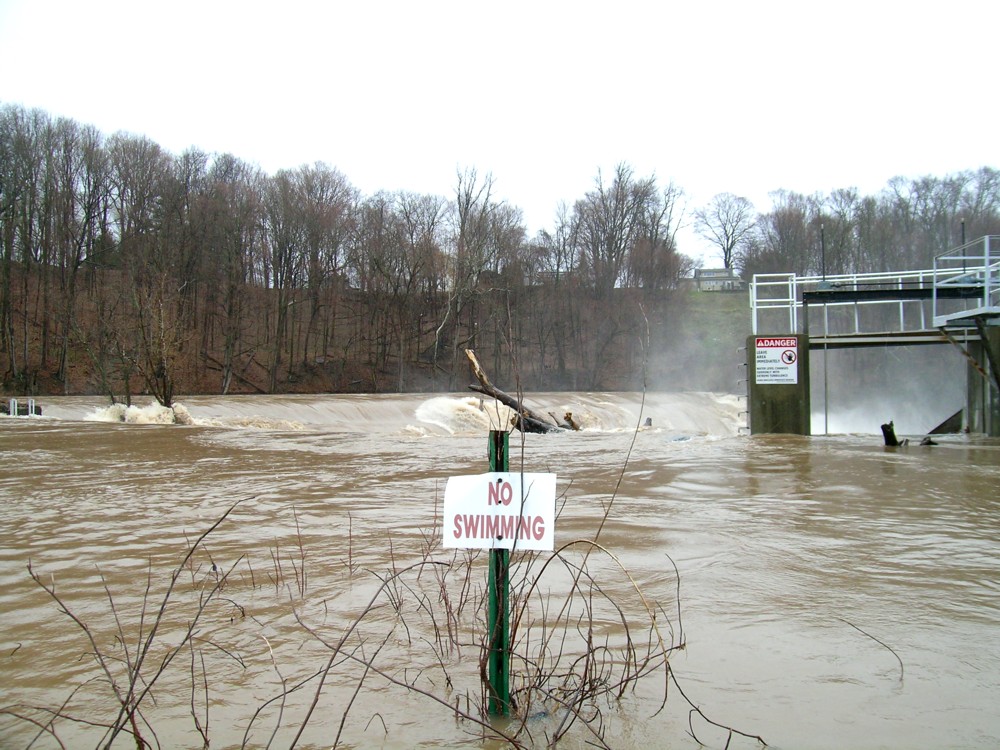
{"points": [[125, 269]]}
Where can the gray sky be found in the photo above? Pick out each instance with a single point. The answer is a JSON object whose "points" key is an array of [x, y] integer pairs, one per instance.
{"points": [[717, 97]]}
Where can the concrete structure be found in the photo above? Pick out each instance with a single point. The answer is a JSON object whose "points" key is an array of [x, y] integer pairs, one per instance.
{"points": [[982, 411], [778, 377], [955, 304]]}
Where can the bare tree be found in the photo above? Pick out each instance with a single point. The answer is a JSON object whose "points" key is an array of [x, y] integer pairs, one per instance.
{"points": [[725, 222], [780, 238], [981, 204], [421, 219], [557, 317], [654, 263], [555, 250], [285, 240], [27, 245], [378, 260], [472, 254], [235, 203], [163, 248], [82, 177], [876, 248], [610, 219], [327, 202]]}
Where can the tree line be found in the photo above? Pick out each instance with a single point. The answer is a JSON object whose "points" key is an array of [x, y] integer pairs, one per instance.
{"points": [[127, 269], [124, 268], [901, 228]]}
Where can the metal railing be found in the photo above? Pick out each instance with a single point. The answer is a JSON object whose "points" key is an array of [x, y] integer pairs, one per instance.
{"points": [[974, 265], [777, 303], [17, 408]]}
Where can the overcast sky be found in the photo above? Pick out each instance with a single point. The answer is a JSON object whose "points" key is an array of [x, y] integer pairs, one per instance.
{"points": [[739, 97]]}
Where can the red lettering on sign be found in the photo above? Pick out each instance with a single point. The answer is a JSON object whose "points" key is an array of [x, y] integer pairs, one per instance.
{"points": [[467, 525], [538, 527], [500, 493], [763, 343], [491, 527], [483, 526]]}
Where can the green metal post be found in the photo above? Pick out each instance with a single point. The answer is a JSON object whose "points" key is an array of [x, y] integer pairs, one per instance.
{"points": [[498, 618]]}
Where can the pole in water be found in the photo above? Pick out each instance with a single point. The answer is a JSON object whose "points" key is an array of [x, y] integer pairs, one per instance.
{"points": [[497, 616]]}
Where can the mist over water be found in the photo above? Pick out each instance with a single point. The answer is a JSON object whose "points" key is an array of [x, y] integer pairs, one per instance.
{"points": [[787, 549], [857, 390]]}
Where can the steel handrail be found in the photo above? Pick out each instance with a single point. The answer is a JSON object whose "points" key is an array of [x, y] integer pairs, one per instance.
{"points": [[975, 264]]}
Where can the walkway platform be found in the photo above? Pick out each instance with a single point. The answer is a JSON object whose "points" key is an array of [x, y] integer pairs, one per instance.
{"points": [[961, 293], [957, 302]]}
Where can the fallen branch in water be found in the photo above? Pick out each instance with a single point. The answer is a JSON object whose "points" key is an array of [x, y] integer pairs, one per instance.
{"points": [[135, 685], [696, 710], [526, 419], [337, 650], [881, 643]]}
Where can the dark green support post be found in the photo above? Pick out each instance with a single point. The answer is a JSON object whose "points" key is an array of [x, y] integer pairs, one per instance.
{"points": [[498, 617]]}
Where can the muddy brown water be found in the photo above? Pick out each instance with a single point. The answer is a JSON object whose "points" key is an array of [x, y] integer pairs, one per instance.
{"points": [[832, 592]]}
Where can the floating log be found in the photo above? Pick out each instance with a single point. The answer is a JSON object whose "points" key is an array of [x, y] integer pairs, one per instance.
{"points": [[525, 420], [567, 423]]}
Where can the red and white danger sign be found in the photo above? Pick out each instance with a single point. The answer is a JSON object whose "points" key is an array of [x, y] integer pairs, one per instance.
{"points": [[777, 360]]}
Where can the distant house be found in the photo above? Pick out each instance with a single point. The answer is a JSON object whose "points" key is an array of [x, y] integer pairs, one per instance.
{"points": [[717, 280]]}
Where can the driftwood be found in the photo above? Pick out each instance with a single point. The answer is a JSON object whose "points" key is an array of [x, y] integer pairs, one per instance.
{"points": [[889, 435], [525, 420], [568, 422]]}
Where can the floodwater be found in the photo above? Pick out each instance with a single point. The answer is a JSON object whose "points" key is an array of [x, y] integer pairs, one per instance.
{"points": [[828, 592]]}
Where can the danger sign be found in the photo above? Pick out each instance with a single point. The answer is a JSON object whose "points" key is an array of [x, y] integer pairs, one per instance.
{"points": [[500, 510], [777, 361]]}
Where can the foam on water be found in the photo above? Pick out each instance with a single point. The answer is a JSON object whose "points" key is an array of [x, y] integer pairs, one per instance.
{"points": [[701, 414], [152, 413], [467, 415], [252, 423]]}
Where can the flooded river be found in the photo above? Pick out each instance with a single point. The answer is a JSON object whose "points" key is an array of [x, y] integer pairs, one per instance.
{"points": [[821, 592]]}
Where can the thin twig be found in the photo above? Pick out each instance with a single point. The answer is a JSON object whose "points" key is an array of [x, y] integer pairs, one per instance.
{"points": [[881, 643]]}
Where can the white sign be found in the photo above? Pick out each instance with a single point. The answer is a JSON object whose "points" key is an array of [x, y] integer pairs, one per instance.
{"points": [[777, 361], [500, 510]]}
